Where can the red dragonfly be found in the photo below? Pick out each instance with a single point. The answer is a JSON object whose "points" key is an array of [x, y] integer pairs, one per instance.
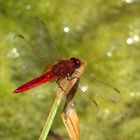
{"points": [[41, 44], [58, 71]]}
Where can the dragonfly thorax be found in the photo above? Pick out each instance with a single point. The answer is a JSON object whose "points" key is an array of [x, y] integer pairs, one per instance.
{"points": [[65, 67]]}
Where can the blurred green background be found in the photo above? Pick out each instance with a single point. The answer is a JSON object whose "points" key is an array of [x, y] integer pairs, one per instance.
{"points": [[105, 35]]}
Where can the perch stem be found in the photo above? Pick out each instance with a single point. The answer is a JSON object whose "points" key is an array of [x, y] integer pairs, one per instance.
{"points": [[51, 116]]}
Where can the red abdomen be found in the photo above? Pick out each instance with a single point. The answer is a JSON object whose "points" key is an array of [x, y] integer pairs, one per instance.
{"points": [[36, 82]]}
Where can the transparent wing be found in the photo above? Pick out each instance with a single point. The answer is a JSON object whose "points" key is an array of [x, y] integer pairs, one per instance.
{"points": [[82, 103], [85, 104], [29, 55], [24, 64], [42, 42], [96, 88]]}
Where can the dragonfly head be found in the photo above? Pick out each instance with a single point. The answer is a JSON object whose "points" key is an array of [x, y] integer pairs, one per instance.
{"points": [[76, 61]]}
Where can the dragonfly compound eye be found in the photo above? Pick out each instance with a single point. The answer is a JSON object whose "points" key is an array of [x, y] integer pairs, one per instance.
{"points": [[76, 61]]}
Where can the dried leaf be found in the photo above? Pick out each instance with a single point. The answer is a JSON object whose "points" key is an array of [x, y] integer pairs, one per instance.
{"points": [[71, 121]]}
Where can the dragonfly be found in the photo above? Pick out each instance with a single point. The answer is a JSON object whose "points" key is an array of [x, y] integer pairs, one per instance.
{"points": [[39, 49], [64, 68]]}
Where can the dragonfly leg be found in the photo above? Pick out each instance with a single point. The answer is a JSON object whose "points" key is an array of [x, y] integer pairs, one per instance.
{"points": [[58, 82], [71, 78]]}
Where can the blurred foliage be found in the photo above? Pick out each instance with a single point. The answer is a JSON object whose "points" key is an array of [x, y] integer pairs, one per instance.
{"points": [[105, 35]]}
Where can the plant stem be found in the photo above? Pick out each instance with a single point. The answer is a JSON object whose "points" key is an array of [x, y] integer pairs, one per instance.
{"points": [[51, 116]]}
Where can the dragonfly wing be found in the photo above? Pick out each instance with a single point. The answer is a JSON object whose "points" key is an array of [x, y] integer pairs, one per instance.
{"points": [[82, 102], [24, 64], [85, 102], [96, 88], [42, 42], [29, 55]]}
